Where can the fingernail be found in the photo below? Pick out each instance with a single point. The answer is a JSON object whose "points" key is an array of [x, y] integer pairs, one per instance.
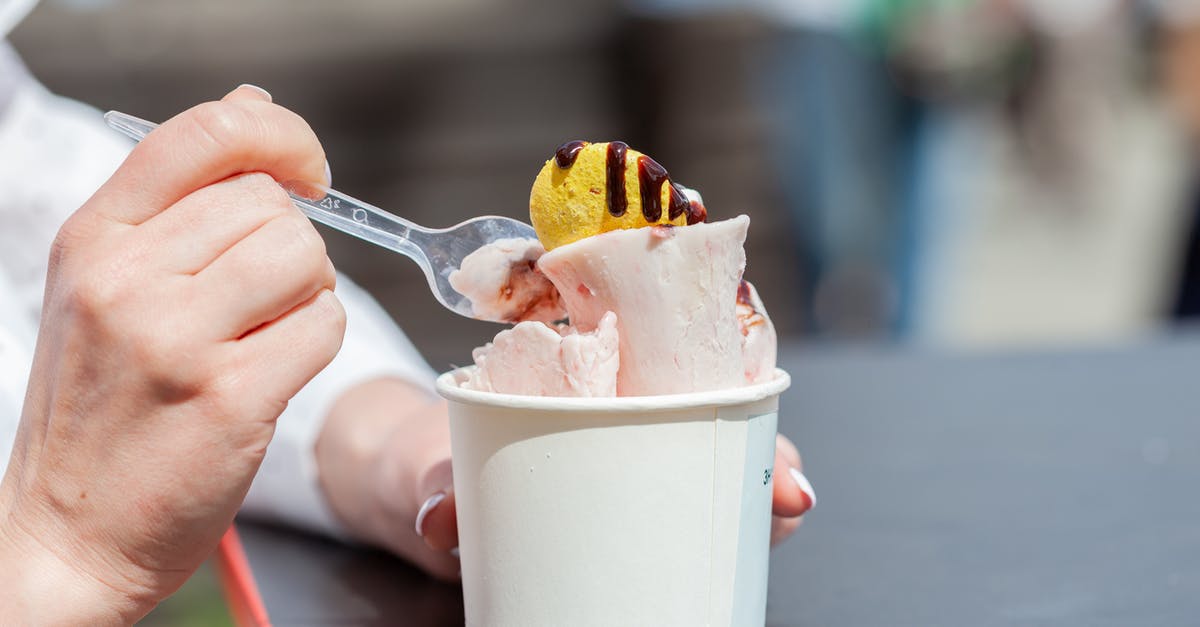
{"points": [[328, 175], [260, 90], [427, 507], [805, 487], [455, 553]]}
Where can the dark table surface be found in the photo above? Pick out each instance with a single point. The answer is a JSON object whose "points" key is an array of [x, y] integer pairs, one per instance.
{"points": [[1023, 488]]}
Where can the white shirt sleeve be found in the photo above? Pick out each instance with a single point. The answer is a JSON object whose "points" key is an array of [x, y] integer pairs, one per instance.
{"points": [[60, 152]]}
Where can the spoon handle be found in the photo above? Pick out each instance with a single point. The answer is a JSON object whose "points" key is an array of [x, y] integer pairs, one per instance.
{"points": [[320, 203], [355, 217]]}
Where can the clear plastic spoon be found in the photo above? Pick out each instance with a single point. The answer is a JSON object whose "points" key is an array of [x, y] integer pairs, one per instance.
{"points": [[438, 251]]}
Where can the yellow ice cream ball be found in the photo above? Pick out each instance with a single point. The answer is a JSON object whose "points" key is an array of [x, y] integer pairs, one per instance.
{"points": [[570, 203]]}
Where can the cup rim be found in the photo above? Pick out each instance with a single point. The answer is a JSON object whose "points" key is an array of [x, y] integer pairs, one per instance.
{"points": [[448, 387]]}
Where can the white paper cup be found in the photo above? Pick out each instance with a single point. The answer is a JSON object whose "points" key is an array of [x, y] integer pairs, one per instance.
{"points": [[652, 510]]}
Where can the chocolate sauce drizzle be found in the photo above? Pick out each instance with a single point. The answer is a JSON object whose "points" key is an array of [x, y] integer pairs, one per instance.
{"points": [[566, 154], [743, 294], [614, 166], [751, 316], [679, 202], [651, 177], [696, 212]]}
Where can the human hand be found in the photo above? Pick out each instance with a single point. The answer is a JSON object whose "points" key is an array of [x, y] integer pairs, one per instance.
{"points": [[384, 460], [187, 302]]}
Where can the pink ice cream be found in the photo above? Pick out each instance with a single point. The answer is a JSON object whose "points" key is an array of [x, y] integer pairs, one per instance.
{"points": [[504, 285], [655, 310], [758, 335], [653, 293], [674, 292], [536, 359]]}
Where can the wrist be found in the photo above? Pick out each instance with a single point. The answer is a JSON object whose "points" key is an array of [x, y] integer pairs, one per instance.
{"points": [[352, 461], [40, 584]]}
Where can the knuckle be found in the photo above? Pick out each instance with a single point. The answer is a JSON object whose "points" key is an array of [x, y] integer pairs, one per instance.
{"points": [[328, 323], [336, 312], [97, 291], [61, 250], [70, 241], [333, 318], [222, 124], [329, 274], [159, 350], [173, 367], [68, 236], [307, 242], [267, 194], [225, 398]]}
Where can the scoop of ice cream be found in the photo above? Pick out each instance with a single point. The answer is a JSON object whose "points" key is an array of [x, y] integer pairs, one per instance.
{"points": [[587, 189], [758, 335], [674, 291], [504, 285], [536, 359]]}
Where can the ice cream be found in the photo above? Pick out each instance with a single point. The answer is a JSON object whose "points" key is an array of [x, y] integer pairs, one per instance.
{"points": [[588, 189], [674, 292], [503, 283], [758, 335], [654, 294], [536, 359]]}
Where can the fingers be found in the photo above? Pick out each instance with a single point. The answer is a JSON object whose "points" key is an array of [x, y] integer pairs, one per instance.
{"points": [[424, 503], [278, 266], [788, 499], [783, 528], [210, 220], [793, 495], [246, 91], [275, 361], [785, 449], [244, 132], [436, 521], [437, 524]]}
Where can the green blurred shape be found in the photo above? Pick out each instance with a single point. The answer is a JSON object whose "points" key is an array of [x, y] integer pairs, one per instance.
{"points": [[199, 603]]}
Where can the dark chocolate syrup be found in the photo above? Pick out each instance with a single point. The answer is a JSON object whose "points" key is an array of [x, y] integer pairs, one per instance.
{"points": [[614, 166], [750, 316], [651, 177], [679, 203], [566, 154], [743, 295]]}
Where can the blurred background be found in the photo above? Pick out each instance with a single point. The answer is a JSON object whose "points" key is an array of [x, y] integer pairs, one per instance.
{"points": [[965, 173]]}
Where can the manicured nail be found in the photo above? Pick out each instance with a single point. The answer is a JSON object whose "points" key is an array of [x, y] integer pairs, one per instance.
{"points": [[328, 175], [427, 507], [260, 90], [805, 487]]}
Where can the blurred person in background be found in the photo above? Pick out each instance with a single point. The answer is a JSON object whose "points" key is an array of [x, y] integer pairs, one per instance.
{"points": [[978, 171], [1178, 40], [842, 135], [361, 451]]}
